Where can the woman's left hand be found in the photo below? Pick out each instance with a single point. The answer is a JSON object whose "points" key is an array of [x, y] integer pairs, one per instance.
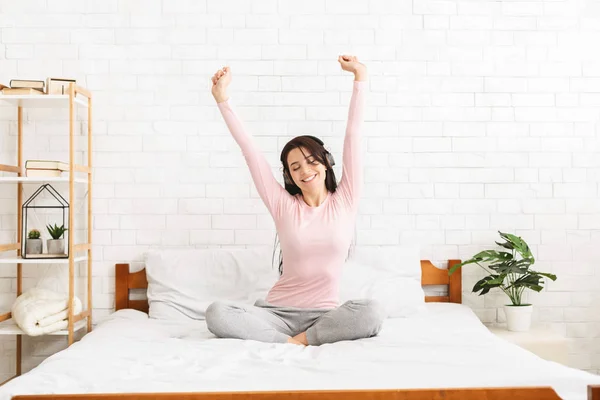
{"points": [[351, 64]]}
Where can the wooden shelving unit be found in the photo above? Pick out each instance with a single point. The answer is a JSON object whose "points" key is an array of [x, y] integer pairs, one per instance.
{"points": [[82, 252]]}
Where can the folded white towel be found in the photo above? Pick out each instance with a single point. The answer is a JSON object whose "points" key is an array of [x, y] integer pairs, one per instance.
{"points": [[42, 311]]}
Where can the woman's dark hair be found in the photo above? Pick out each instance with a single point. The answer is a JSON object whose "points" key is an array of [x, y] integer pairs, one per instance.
{"points": [[315, 147]]}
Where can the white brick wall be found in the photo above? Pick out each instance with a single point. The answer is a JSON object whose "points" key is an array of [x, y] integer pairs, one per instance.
{"points": [[481, 116]]}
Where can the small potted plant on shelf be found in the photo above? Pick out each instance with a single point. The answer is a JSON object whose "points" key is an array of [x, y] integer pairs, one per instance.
{"points": [[56, 245], [512, 275], [34, 244]]}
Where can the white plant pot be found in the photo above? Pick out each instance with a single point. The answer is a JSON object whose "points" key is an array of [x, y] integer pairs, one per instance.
{"points": [[56, 246], [518, 318]]}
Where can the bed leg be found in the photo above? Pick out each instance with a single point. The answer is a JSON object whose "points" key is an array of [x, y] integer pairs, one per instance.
{"points": [[593, 392]]}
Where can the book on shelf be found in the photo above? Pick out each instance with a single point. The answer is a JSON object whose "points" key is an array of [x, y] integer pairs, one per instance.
{"points": [[46, 164], [58, 85], [45, 168], [27, 83], [38, 173], [33, 86], [20, 91]]}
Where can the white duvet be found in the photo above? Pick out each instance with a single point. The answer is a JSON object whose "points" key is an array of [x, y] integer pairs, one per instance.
{"points": [[446, 346]]}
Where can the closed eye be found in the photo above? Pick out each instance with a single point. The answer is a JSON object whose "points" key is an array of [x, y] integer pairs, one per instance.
{"points": [[312, 161]]}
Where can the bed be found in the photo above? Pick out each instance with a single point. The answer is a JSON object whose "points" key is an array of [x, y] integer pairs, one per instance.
{"points": [[442, 352]]}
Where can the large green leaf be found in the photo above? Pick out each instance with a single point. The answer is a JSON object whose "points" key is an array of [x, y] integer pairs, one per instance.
{"points": [[487, 283], [473, 260], [529, 281], [547, 275], [485, 290], [511, 267], [483, 256], [499, 268], [537, 288], [496, 281], [486, 255], [518, 243], [506, 245], [503, 267], [524, 263], [520, 267]]}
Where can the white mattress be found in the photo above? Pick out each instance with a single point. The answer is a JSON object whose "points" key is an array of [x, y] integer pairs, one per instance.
{"points": [[447, 346]]}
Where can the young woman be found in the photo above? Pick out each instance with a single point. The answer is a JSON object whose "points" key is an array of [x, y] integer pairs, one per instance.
{"points": [[314, 218]]}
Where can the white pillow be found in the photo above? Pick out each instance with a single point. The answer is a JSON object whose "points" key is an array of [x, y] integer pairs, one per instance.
{"points": [[387, 276], [395, 260], [183, 283]]}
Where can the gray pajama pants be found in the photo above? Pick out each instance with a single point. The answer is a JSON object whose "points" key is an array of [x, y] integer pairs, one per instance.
{"points": [[355, 319]]}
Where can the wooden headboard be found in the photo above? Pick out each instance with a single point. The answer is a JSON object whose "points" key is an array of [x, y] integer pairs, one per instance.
{"points": [[125, 281], [430, 275]]}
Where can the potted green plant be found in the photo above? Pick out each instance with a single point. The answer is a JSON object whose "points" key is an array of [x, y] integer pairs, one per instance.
{"points": [[34, 244], [56, 245], [512, 274]]}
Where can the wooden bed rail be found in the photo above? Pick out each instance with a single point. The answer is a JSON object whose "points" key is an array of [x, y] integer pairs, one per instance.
{"points": [[512, 393]]}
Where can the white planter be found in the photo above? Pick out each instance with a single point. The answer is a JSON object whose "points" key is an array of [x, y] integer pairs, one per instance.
{"points": [[518, 318], [56, 246], [33, 246]]}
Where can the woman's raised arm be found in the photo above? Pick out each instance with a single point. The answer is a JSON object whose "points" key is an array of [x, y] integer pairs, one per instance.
{"points": [[269, 190], [352, 166]]}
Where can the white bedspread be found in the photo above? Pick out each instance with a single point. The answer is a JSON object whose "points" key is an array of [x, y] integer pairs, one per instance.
{"points": [[445, 347]]}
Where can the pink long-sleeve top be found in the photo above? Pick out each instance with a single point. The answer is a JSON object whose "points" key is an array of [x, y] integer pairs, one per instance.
{"points": [[314, 240]]}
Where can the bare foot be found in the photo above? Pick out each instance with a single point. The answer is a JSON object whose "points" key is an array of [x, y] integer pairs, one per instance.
{"points": [[294, 341], [301, 338]]}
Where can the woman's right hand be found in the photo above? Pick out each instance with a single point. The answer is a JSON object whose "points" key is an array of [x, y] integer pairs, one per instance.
{"points": [[220, 82]]}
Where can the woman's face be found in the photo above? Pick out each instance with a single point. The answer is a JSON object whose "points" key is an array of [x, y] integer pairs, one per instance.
{"points": [[306, 171]]}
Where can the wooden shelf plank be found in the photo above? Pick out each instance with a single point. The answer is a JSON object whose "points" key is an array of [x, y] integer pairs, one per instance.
{"points": [[35, 179], [82, 247], [19, 260], [9, 247], [10, 168], [41, 100]]}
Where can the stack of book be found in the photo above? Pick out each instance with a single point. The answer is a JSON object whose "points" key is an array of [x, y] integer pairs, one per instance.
{"points": [[27, 86], [45, 168], [24, 86]]}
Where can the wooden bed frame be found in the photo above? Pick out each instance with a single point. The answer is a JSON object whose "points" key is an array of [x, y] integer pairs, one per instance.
{"points": [[431, 275]]}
